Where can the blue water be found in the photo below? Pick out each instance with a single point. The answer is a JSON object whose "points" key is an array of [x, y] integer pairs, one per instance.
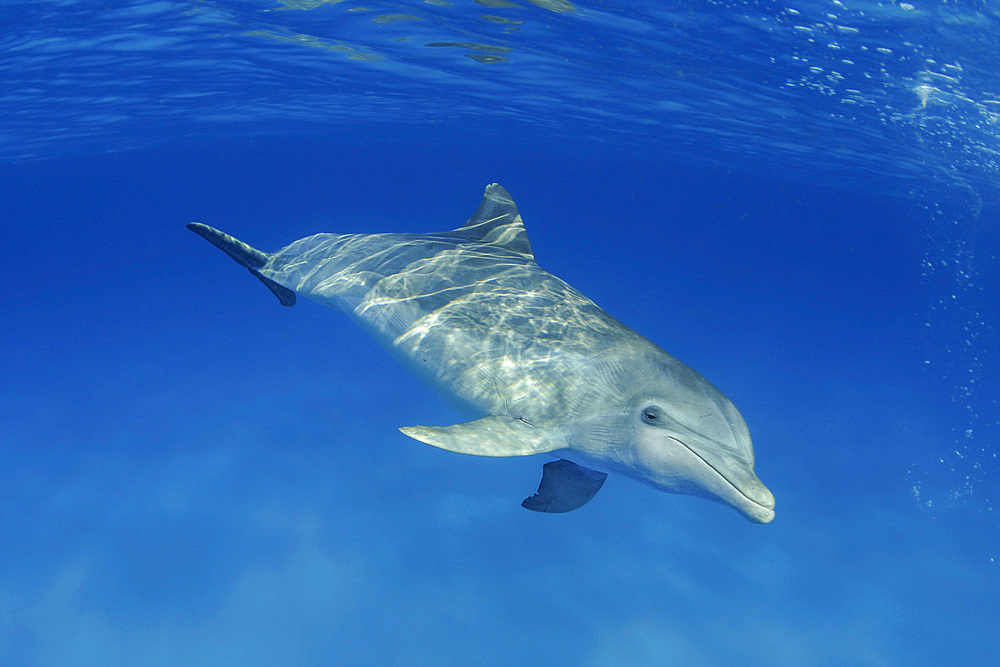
{"points": [[797, 200]]}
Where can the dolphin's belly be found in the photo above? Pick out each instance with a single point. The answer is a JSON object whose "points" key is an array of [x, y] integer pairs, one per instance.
{"points": [[486, 325]]}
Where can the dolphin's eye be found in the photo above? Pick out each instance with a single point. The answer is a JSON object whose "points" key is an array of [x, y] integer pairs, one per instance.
{"points": [[651, 414]]}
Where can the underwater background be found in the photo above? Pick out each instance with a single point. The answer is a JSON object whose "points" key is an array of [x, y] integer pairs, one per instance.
{"points": [[799, 199]]}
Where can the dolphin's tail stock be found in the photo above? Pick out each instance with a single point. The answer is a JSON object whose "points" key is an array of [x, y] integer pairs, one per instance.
{"points": [[244, 255]]}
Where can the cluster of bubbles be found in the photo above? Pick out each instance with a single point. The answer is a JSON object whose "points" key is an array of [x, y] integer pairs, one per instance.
{"points": [[960, 271]]}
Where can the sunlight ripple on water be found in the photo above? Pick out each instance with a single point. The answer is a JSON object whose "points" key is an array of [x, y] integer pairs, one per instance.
{"points": [[897, 91]]}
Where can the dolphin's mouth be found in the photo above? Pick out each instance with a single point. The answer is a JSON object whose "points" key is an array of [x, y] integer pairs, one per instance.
{"points": [[757, 510]]}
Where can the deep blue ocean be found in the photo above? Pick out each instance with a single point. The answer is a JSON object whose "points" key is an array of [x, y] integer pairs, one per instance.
{"points": [[798, 199]]}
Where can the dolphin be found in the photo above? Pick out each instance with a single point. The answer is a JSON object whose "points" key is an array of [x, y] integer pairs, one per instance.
{"points": [[541, 368]]}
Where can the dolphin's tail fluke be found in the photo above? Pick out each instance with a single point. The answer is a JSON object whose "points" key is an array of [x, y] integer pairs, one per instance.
{"points": [[246, 256]]}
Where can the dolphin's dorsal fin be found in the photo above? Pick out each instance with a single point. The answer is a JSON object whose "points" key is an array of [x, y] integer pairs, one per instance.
{"points": [[565, 486], [489, 436], [497, 222]]}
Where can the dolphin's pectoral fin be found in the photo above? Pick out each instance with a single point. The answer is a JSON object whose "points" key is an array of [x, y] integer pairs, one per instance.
{"points": [[489, 436], [565, 486]]}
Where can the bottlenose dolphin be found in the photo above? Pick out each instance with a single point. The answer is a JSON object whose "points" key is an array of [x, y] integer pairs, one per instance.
{"points": [[542, 367]]}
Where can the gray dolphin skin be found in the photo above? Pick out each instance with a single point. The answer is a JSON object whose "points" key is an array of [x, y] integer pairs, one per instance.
{"points": [[541, 368]]}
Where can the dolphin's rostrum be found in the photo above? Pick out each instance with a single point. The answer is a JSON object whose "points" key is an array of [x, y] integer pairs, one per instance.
{"points": [[542, 367]]}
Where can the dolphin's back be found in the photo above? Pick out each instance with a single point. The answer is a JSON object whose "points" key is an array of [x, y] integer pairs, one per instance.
{"points": [[468, 309], [343, 269]]}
